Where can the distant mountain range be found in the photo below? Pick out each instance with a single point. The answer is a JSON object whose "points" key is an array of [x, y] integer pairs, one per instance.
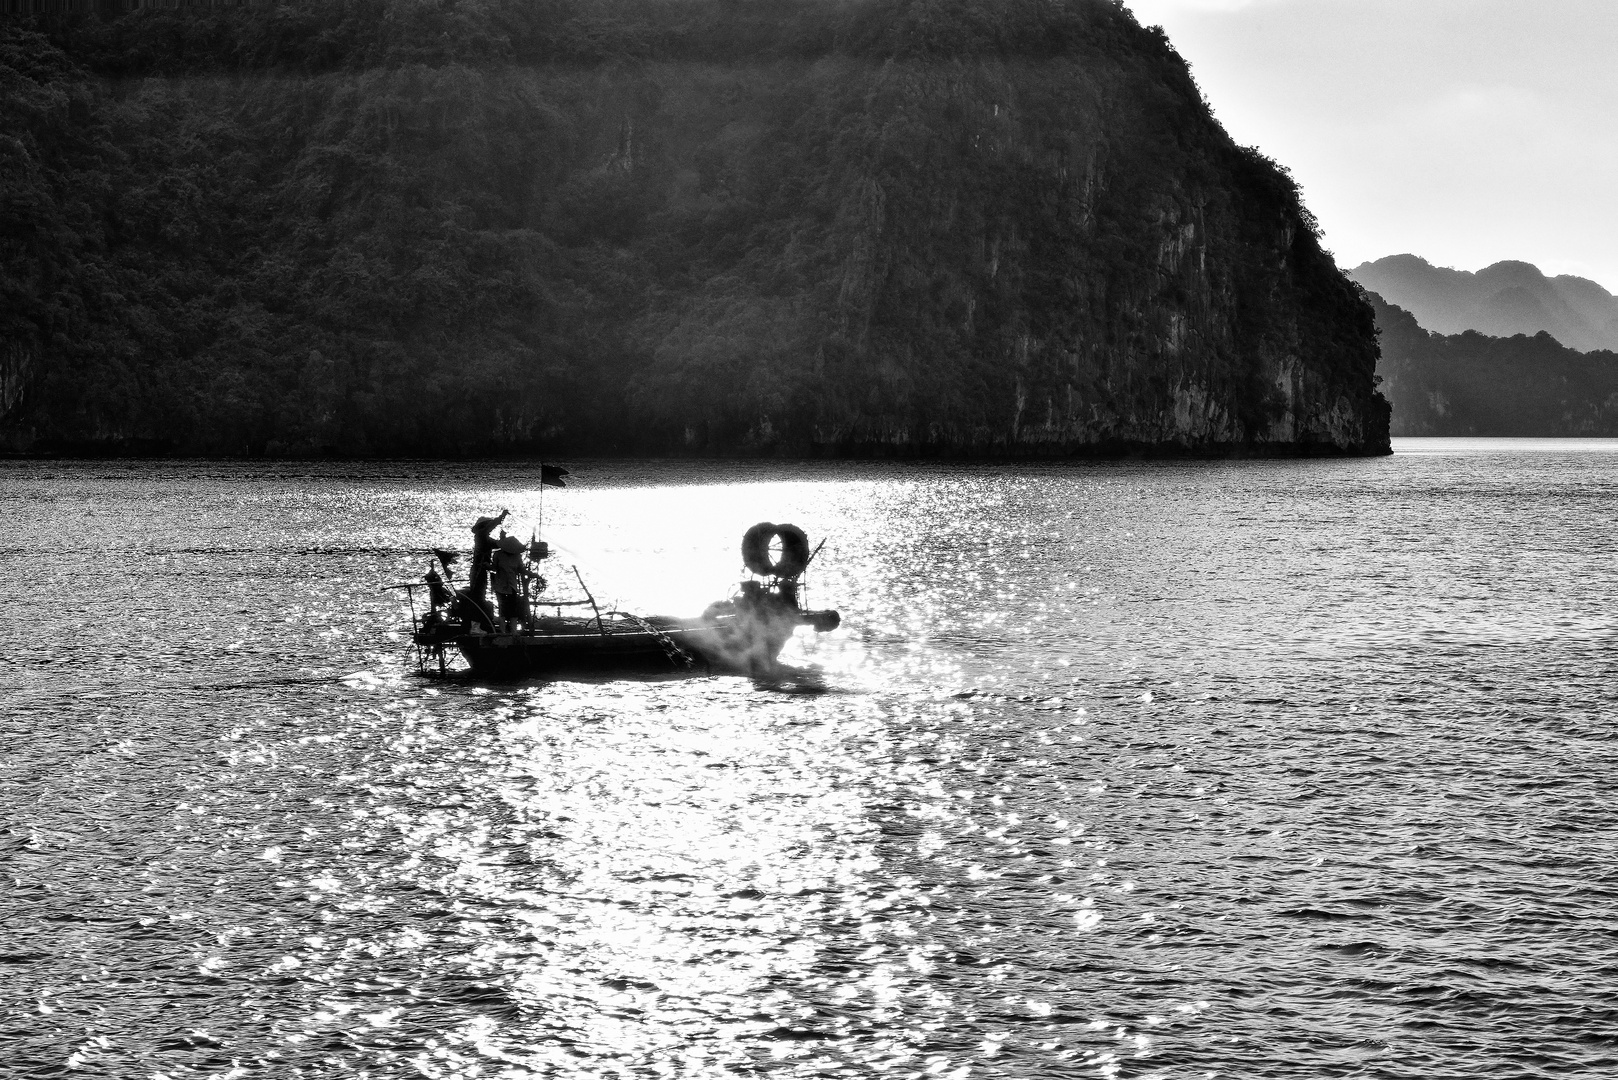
{"points": [[1502, 300], [1474, 384]]}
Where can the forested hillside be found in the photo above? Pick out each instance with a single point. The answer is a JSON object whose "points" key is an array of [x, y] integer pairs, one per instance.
{"points": [[631, 226], [1473, 384]]}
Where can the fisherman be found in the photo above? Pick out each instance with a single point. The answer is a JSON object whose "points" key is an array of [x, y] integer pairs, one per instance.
{"points": [[471, 603], [482, 548], [510, 574]]}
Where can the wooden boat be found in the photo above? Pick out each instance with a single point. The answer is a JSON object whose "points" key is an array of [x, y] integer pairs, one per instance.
{"points": [[743, 634]]}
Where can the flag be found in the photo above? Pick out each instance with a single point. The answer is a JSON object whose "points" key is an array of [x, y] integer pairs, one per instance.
{"points": [[551, 476]]}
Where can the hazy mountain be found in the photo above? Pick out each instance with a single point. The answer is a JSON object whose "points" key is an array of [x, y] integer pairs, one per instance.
{"points": [[630, 226], [1474, 384], [1502, 300]]}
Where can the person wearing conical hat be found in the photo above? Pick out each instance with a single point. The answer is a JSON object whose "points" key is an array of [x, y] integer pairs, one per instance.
{"points": [[510, 571]]}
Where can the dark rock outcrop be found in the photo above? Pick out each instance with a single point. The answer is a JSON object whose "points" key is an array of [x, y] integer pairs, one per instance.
{"points": [[691, 226]]}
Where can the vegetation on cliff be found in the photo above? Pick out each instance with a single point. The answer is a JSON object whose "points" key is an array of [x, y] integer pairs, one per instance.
{"points": [[1473, 384], [474, 226]]}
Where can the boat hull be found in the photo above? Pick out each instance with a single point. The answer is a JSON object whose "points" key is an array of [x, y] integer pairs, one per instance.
{"points": [[678, 647]]}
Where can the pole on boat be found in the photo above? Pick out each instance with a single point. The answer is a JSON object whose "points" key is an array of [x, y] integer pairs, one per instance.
{"points": [[549, 476], [599, 624], [805, 570], [410, 588]]}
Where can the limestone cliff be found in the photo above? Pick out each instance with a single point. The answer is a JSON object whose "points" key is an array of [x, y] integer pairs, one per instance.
{"points": [[693, 226]]}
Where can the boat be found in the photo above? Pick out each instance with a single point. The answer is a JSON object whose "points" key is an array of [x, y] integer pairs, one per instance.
{"points": [[547, 632]]}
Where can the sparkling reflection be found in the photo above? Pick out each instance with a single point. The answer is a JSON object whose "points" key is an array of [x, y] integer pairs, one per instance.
{"points": [[1144, 770]]}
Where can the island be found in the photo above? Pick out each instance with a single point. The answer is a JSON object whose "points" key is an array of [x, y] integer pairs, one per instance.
{"points": [[698, 227], [1478, 385]]}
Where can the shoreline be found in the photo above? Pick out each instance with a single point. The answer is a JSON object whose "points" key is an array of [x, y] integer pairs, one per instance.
{"points": [[1120, 450]]}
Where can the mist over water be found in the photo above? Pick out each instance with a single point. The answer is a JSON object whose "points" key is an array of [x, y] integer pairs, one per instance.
{"points": [[1251, 769]]}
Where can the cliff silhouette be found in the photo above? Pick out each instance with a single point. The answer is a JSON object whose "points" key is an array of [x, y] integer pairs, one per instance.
{"points": [[1473, 384], [1503, 300], [653, 226]]}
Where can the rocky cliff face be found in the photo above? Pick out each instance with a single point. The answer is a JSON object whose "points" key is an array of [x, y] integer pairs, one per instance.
{"points": [[877, 227]]}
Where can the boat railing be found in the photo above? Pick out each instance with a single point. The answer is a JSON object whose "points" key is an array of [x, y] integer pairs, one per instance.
{"points": [[409, 589]]}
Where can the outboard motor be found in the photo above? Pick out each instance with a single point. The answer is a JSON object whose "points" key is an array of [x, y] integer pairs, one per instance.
{"points": [[823, 621]]}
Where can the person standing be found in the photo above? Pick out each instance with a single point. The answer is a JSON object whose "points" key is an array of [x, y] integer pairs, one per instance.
{"points": [[510, 572]]}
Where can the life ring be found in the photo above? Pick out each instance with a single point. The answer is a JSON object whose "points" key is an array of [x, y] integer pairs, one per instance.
{"points": [[794, 550]]}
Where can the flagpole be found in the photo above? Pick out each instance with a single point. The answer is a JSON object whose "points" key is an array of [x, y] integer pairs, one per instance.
{"points": [[549, 476]]}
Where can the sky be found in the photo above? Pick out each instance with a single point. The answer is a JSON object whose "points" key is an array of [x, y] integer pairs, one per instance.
{"points": [[1463, 131]]}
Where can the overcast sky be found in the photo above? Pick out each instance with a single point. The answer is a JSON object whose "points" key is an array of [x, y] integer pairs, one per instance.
{"points": [[1465, 131]]}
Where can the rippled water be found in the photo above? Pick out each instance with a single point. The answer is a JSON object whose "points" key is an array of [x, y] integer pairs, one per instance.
{"points": [[1252, 769]]}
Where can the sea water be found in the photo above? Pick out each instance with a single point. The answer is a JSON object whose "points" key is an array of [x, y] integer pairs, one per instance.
{"points": [[1139, 769]]}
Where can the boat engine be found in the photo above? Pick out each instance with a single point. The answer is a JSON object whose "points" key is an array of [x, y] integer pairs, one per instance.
{"points": [[780, 554]]}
